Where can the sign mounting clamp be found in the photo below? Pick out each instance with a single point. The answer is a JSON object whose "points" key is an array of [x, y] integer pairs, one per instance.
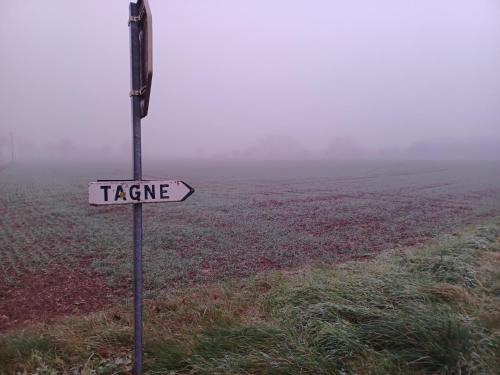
{"points": [[138, 92]]}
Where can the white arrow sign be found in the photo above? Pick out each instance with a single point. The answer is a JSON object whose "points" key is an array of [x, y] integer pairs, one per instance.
{"points": [[129, 192]]}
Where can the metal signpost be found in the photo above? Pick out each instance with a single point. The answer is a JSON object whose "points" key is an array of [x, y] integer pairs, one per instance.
{"points": [[138, 191]]}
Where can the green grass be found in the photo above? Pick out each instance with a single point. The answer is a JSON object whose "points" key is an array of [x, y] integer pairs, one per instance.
{"points": [[430, 310]]}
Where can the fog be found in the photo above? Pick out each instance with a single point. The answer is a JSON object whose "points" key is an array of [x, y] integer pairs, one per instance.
{"points": [[281, 79]]}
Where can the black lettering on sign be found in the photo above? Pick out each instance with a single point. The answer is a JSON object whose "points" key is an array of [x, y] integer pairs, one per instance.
{"points": [[105, 188], [135, 195], [149, 189], [163, 191], [120, 193]]}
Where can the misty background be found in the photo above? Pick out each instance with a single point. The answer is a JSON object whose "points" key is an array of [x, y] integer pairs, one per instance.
{"points": [[281, 79]]}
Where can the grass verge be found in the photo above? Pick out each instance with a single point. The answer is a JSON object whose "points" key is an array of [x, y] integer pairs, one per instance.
{"points": [[427, 310]]}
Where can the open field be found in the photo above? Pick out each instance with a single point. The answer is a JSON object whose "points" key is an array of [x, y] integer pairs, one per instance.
{"points": [[434, 309], [59, 256]]}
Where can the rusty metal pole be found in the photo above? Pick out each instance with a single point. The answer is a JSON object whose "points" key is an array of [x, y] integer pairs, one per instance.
{"points": [[135, 65]]}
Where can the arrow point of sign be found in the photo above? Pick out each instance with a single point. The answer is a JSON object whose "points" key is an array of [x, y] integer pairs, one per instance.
{"points": [[191, 191]]}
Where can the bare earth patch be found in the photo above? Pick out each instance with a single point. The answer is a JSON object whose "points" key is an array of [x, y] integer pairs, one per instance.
{"points": [[34, 296]]}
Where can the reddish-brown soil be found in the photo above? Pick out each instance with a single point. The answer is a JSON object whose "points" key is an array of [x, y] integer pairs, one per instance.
{"points": [[31, 297]]}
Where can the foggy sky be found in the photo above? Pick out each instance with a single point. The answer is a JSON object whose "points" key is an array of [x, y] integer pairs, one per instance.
{"points": [[245, 78]]}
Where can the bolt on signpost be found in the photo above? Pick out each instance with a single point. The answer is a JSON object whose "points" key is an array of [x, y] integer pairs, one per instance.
{"points": [[138, 191]]}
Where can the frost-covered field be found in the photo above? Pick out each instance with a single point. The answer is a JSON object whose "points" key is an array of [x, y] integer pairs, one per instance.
{"points": [[61, 256]]}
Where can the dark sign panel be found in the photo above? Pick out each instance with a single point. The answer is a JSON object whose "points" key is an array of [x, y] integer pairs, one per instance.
{"points": [[146, 52]]}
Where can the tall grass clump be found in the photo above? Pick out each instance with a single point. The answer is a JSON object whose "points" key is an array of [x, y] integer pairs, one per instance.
{"points": [[22, 347], [406, 310]]}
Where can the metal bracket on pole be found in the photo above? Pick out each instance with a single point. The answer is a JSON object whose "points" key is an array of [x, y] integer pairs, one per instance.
{"points": [[137, 18], [138, 92], [134, 19]]}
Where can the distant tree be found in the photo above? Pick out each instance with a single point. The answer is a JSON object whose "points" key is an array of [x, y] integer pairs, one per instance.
{"points": [[3, 148], [276, 147], [64, 148], [344, 148]]}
